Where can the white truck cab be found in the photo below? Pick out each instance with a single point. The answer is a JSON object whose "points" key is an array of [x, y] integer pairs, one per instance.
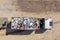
{"points": [[48, 23]]}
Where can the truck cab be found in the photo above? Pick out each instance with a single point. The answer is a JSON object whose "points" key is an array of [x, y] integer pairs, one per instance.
{"points": [[48, 23]]}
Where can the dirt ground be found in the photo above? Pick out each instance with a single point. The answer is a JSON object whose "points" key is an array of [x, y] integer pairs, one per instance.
{"points": [[9, 8]]}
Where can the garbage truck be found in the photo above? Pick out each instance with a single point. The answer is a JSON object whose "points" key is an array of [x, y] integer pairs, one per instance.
{"points": [[24, 23]]}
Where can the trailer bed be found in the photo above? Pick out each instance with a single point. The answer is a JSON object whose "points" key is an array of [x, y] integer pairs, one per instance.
{"points": [[27, 23]]}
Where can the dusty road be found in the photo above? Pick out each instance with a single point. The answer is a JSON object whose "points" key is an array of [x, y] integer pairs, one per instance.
{"points": [[9, 8]]}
